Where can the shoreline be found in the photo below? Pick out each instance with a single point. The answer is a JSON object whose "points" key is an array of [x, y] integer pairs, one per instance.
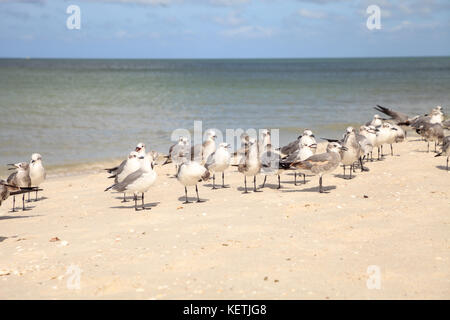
{"points": [[292, 243]]}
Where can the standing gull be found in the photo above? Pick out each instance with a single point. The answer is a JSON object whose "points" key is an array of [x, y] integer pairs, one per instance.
{"points": [[323, 163], [181, 147], [270, 164], [37, 172], [139, 181], [301, 154], [127, 167], [219, 161], [201, 152], [20, 179], [431, 132], [190, 173], [250, 164]]}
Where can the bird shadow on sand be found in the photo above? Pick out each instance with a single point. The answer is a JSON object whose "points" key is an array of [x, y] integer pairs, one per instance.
{"points": [[192, 199], [442, 168], [33, 200], [131, 206], [17, 217], [326, 189], [250, 189], [3, 238], [347, 177]]}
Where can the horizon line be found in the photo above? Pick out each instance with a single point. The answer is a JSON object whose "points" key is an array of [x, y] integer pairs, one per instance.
{"points": [[222, 58]]}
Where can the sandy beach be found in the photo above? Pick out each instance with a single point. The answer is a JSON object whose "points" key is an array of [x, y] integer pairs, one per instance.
{"points": [[292, 243]]}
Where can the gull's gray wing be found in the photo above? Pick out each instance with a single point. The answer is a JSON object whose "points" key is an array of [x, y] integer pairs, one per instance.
{"points": [[210, 160], [291, 147], [395, 115], [128, 180]]}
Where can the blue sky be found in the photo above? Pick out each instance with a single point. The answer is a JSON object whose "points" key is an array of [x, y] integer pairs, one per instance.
{"points": [[223, 29]]}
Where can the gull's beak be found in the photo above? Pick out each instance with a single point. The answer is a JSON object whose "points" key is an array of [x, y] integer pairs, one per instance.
{"points": [[394, 129], [313, 136], [141, 158], [344, 148], [228, 145], [314, 145], [137, 149]]}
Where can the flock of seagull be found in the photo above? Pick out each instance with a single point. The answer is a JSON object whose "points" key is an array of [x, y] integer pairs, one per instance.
{"points": [[195, 164], [26, 178]]}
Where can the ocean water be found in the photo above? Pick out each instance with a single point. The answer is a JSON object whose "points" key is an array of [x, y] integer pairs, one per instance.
{"points": [[78, 111]]}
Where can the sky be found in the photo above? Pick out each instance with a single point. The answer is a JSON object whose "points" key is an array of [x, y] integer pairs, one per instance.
{"points": [[223, 29]]}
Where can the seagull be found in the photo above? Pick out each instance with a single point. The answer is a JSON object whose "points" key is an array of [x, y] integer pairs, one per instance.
{"points": [[201, 152], [307, 137], [219, 161], [250, 164], [436, 116], [370, 132], [127, 167], [431, 132], [190, 173], [352, 151], [301, 154], [445, 149], [366, 148], [264, 141], [181, 147], [37, 172], [376, 121], [322, 163], [270, 164], [139, 181], [386, 134], [20, 179]]}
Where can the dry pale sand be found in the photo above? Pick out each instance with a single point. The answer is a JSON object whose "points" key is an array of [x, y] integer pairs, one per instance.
{"points": [[292, 243]]}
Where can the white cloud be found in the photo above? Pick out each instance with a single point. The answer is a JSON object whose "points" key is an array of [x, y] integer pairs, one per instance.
{"points": [[232, 19], [249, 32], [312, 14]]}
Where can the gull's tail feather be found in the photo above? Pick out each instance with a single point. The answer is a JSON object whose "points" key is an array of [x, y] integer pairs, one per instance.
{"points": [[111, 170]]}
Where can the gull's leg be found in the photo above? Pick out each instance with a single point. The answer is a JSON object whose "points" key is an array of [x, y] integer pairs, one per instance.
{"points": [[279, 182], [185, 194], [135, 202], [351, 169], [320, 185], [223, 181], [304, 178], [435, 147], [245, 183], [392, 150], [264, 183], [14, 204], [143, 207], [214, 181], [254, 185], [428, 148], [23, 202], [295, 178], [29, 197], [447, 163], [198, 198], [344, 170], [36, 199], [124, 199], [382, 151]]}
